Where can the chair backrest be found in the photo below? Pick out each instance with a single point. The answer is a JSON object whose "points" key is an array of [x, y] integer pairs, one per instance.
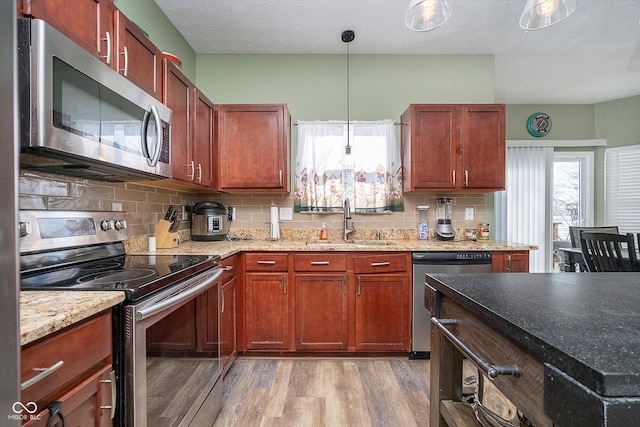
{"points": [[574, 233], [604, 252]]}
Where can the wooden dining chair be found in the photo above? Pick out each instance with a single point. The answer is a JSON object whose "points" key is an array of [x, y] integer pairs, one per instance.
{"points": [[606, 252], [574, 233]]}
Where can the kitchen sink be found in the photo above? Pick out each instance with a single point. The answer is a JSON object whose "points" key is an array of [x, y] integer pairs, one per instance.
{"points": [[350, 244]]}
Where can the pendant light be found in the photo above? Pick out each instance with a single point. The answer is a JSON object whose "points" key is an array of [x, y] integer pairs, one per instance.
{"points": [[539, 14], [348, 36], [425, 15]]}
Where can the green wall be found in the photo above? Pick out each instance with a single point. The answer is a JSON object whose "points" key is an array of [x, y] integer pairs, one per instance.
{"points": [[148, 16], [315, 86]]}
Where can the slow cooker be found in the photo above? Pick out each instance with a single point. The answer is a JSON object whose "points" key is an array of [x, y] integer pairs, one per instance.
{"points": [[209, 221]]}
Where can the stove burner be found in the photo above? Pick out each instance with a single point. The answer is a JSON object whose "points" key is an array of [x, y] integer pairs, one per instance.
{"points": [[108, 278]]}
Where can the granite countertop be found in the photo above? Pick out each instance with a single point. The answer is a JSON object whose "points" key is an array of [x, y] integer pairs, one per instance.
{"points": [[45, 312], [227, 248], [586, 325]]}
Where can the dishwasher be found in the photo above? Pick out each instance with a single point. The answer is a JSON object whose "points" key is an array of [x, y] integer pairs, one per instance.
{"points": [[453, 262]]}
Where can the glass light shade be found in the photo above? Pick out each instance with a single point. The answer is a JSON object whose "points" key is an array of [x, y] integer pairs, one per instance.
{"points": [[425, 15], [539, 14]]}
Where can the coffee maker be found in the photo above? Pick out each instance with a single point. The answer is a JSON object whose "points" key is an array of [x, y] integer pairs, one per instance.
{"points": [[444, 229]]}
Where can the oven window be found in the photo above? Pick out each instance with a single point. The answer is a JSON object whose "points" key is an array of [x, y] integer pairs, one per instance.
{"points": [[183, 360]]}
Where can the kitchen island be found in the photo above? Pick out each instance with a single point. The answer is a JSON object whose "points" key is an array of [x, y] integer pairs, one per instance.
{"points": [[570, 339]]}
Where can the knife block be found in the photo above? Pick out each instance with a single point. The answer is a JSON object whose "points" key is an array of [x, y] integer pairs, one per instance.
{"points": [[164, 238]]}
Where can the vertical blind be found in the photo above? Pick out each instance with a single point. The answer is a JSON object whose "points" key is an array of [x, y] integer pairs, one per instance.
{"points": [[523, 210], [622, 188]]}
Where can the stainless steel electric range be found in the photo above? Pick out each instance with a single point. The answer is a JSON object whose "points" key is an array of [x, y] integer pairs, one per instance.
{"points": [[166, 296]]}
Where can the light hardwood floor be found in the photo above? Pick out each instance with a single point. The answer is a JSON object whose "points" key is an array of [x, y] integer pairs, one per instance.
{"points": [[326, 392]]}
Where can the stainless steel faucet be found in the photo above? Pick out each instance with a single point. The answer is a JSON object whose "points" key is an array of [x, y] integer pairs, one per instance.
{"points": [[347, 216]]}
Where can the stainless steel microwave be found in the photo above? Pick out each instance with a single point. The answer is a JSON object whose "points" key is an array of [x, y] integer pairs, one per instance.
{"points": [[81, 118]]}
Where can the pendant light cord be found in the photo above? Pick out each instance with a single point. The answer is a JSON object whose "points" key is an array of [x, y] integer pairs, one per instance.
{"points": [[348, 148], [348, 36]]}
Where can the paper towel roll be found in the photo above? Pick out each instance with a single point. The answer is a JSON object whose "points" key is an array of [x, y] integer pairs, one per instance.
{"points": [[275, 225]]}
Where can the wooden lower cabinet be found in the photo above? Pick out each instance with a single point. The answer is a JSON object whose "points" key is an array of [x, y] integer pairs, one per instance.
{"points": [[337, 302], [510, 262], [228, 344], [267, 311], [80, 359], [383, 312], [321, 312]]}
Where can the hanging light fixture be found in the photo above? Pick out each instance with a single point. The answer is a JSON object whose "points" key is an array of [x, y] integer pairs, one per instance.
{"points": [[539, 14], [425, 15], [348, 36]]}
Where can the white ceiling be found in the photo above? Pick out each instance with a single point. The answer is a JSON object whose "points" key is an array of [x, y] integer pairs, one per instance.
{"points": [[592, 56]]}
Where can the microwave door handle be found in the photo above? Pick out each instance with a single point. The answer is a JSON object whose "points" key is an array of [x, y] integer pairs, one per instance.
{"points": [[151, 161]]}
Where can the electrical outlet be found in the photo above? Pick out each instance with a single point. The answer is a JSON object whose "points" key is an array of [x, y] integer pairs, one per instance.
{"points": [[186, 210], [286, 214], [116, 206], [468, 214]]}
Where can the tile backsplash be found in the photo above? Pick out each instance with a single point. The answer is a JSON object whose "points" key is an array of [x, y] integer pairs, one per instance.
{"points": [[146, 203]]}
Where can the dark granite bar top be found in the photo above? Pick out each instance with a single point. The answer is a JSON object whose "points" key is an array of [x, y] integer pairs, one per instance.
{"points": [[586, 325]]}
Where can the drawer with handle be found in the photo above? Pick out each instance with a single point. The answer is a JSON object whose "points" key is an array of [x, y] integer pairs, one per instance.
{"points": [[380, 263], [320, 261], [59, 361], [266, 261]]}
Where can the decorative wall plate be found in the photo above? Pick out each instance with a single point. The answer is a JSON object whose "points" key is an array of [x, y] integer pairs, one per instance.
{"points": [[538, 124]]}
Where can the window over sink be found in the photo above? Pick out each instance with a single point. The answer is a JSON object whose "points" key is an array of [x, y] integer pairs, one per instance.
{"points": [[370, 177]]}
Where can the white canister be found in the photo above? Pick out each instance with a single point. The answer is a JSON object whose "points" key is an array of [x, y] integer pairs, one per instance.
{"points": [[152, 244]]}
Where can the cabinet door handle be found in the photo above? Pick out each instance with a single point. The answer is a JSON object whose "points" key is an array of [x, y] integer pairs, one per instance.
{"points": [[192, 170], [453, 177], [112, 381], [44, 372], [284, 283], [319, 262], [358, 292], [344, 284], [492, 371], [280, 178], [508, 263], [466, 178], [222, 303], [125, 70], [380, 264], [266, 262], [199, 173], [108, 40]]}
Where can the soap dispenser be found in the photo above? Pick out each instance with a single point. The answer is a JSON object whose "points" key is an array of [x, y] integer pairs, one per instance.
{"points": [[324, 234]]}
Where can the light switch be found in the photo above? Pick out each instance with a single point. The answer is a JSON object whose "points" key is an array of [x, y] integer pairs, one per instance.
{"points": [[468, 214]]}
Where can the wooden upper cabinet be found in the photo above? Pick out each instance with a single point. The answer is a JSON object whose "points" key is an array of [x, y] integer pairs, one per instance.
{"points": [[254, 148], [101, 29], [203, 135], [191, 129], [137, 58], [80, 21], [453, 147], [177, 96]]}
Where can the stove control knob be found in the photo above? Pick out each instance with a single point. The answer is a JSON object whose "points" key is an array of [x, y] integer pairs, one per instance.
{"points": [[120, 224], [106, 225]]}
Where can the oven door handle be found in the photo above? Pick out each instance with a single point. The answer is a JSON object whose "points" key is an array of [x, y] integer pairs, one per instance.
{"points": [[178, 298]]}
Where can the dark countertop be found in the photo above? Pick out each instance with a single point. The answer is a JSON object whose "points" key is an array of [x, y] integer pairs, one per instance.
{"points": [[586, 325]]}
